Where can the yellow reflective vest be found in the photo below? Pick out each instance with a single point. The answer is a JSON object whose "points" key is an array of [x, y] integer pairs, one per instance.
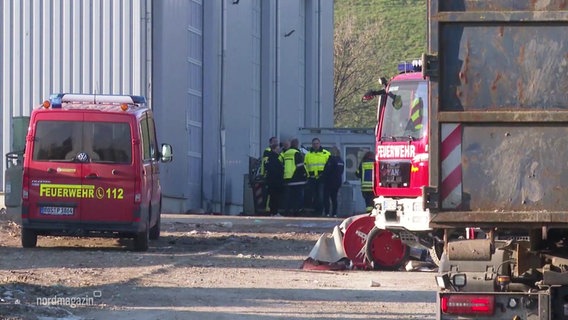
{"points": [[416, 114], [315, 162], [263, 162], [294, 172], [366, 173]]}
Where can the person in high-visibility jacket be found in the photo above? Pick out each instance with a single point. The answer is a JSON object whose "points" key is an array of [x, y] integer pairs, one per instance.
{"points": [[295, 177], [416, 114], [366, 172], [315, 161], [272, 141]]}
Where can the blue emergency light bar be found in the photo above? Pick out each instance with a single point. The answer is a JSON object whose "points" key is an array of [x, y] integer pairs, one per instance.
{"points": [[414, 66], [58, 98]]}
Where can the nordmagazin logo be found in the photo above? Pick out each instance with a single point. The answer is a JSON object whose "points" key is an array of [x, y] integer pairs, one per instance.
{"points": [[73, 302]]}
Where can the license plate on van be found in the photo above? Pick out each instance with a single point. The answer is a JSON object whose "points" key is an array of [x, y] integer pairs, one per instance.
{"points": [[56, 211]]}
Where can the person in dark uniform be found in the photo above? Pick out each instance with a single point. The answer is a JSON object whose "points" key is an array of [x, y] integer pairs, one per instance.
{"points": [[274, 178], [262, 173], [332, 177]]}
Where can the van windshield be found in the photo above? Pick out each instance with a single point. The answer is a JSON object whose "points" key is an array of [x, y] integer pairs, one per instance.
{"points": [[108, 142]]}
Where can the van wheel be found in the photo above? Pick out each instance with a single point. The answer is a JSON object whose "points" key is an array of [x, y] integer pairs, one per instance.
{"points": [[155, 230], [141, 240], [29, 238]]}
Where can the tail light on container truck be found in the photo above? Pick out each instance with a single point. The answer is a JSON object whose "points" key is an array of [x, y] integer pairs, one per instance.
{"points": [[468, 304]]}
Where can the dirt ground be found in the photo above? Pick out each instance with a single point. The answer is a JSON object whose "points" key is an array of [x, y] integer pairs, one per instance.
{"points": [[202, 267]]}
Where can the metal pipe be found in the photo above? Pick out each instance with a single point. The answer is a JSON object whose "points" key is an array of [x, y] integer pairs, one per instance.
{"points": [[222, 109], [518, 287], [276, 64], [319, 74]]}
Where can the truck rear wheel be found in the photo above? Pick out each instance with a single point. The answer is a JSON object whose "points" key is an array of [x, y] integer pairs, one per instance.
{"points": [[29, 238]]}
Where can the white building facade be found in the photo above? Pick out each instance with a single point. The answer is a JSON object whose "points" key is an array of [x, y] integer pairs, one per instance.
{"points": [[222, 76]]}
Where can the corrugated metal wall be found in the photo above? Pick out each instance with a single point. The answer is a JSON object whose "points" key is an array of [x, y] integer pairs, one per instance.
{"points": [[241, 96], [178, 98], [70, 46]]}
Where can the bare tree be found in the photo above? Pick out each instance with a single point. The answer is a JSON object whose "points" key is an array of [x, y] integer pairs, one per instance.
{"points": [[356, 69]]}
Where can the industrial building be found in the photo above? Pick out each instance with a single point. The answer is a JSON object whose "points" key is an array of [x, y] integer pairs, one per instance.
{"points": [[222, 77]]}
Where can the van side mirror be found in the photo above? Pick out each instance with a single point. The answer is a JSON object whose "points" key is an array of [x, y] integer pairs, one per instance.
{"points": [[167, 153]]}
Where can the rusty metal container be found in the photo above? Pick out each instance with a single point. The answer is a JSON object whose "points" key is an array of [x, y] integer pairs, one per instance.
{"points": [[499, 113]]}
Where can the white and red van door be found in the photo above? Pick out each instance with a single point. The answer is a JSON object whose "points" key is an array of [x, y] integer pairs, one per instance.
{"points": [[52, 180], [111, 174]]}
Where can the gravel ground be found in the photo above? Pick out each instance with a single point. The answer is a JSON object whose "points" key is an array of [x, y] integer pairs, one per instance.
{"points": [[203, 267]]}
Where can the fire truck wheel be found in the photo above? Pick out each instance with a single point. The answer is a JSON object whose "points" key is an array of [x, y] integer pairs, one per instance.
{"points": [[355, 237], [385, 251], [29, 238]]}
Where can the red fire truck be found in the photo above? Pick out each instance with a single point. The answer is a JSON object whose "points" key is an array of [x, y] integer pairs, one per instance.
{"points": [[398, 220], [401, 166], [401, 158]]}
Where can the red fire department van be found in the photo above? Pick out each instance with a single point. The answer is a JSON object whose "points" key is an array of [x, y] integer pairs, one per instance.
{"points": [[91, 169]]}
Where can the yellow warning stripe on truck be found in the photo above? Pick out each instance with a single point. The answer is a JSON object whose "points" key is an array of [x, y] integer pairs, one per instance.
{"points": [[66, 190]]}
